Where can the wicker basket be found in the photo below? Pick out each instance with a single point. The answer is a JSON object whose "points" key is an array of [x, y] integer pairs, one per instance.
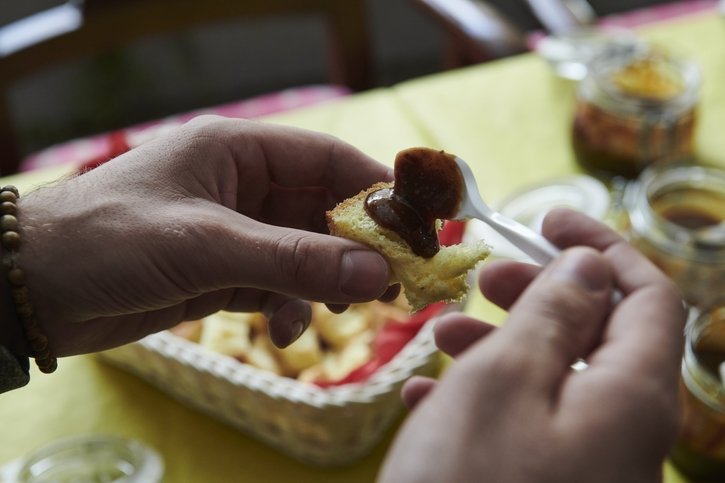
{"points": [[330, 426], [320, 426]]}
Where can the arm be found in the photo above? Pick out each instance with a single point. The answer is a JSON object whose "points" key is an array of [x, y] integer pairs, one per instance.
{"points": [[476, 31]]}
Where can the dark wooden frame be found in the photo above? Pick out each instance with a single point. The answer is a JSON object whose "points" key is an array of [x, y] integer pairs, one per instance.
{"points": [[112, 23]]}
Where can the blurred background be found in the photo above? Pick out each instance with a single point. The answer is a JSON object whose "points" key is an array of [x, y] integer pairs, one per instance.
{"points": [[215, 62], [147, 59]]}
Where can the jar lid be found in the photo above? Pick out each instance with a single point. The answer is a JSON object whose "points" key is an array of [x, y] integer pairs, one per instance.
{"points": [[570, 53], [90, 458], [648, 77], [530, 205]]}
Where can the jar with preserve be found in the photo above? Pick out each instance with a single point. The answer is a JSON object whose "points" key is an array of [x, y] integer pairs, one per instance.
{"points": [[675, 215], [635, 108], [700, 449]]}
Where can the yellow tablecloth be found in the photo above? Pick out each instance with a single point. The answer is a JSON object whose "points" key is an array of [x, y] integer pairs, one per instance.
{"points": [[509, 119]]}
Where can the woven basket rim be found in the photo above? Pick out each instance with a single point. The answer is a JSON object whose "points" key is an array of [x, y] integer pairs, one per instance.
{"points": [[415, 354]]}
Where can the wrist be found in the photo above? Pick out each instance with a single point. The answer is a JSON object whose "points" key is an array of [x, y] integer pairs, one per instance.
{"points": [[11, 333], [11, 242]]}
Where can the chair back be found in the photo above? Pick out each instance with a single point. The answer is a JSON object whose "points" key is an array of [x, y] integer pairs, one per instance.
{"points": [[81, 29]]}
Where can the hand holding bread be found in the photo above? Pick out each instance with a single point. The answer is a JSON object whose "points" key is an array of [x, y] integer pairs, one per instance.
{"points": [[425, 279]]}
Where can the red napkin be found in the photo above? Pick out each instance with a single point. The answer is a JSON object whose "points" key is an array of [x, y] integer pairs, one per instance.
{"points": [[390, 340]]}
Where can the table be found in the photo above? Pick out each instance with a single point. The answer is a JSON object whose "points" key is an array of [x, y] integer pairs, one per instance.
{"points": [[509, 119]]}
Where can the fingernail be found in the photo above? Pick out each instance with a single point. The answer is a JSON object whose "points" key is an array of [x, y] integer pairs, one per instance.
{"points": [[581, 267], [292, 332], [296, 329], [361, 272]]}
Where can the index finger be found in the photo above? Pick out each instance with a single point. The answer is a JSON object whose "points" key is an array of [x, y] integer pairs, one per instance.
{"points": [[645, 329], [568, 228], [645, 332], [297, 158]]}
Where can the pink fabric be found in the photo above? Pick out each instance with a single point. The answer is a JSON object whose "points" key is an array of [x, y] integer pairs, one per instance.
{"points": [[91, 151], [644, 16], [658, 13]]}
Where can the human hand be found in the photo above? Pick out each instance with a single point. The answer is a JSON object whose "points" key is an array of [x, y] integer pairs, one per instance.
{"points": [[511, 409], [219, 214]]}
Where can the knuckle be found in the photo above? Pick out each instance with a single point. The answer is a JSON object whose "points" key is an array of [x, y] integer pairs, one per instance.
{"points": [[506, 366], [210, 126], [204, 122], [668, 291], [294, 258], [201, 129], [512, 368], [565, 319], [569, 312]]}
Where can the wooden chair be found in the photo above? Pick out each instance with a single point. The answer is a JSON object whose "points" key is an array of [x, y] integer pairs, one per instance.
{"points": [[107, 24], [477, 31], [474, 31], [559, 16]]}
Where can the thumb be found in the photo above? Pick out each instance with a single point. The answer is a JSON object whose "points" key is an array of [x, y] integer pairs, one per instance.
{"points": [[560, 316], [294, 262]]}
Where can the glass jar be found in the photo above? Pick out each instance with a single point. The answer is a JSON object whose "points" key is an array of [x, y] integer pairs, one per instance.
{"points": [[570, 53], [635, 107], [95, 458], [676, 216], [700, 448], [530, 205]]}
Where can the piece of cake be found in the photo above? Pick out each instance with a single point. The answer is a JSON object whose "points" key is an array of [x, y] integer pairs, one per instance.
{"points": [[426, 278]]}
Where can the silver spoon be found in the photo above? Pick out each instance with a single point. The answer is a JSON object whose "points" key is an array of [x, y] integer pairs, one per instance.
{"points": [[540, 249]]}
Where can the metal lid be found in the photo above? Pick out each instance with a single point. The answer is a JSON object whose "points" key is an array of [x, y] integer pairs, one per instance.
{"points": [[570, 54]]}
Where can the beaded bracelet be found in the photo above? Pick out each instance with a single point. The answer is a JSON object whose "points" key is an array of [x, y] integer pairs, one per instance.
{"points": [[10, 241]]}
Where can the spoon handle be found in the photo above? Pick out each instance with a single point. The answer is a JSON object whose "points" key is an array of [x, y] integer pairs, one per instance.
{"points": [[540, 249]]}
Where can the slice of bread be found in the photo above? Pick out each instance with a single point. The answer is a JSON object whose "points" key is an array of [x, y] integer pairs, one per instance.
{"points": [[442, 277]]}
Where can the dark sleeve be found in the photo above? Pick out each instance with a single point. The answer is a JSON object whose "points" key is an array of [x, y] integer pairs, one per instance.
{"points": [[14, 371]]}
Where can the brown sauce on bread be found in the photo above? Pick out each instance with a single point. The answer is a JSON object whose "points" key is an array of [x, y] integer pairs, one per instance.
{"points": [[428, 186]]}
